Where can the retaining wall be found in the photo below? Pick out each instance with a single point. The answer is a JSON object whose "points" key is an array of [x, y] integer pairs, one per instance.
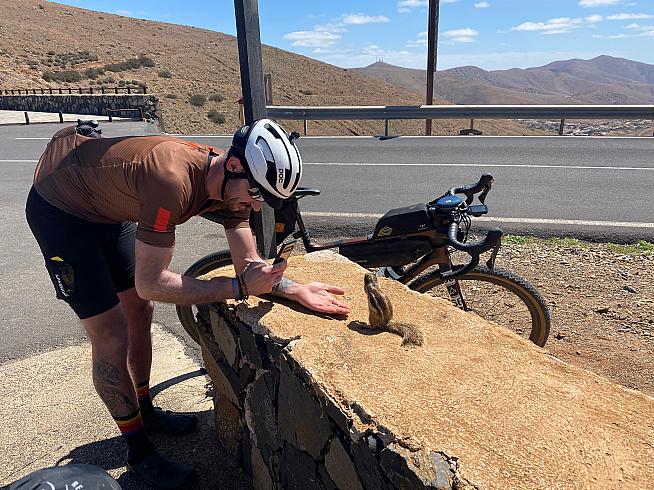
{"points": [[120, 105], [307, 401]]}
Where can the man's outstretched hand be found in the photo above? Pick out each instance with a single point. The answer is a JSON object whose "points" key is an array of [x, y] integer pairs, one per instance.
{"points": [[317, 296]]}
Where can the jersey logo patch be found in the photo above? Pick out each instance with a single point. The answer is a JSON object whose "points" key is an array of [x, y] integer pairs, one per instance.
{"points": [[163, 217]]}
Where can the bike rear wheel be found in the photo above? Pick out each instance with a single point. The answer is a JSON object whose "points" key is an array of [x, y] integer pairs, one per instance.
{"points": [[499, 296], [195, 317]]}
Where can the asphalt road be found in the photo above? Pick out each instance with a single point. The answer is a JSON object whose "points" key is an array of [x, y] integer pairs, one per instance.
{"points": [[601, 186]]}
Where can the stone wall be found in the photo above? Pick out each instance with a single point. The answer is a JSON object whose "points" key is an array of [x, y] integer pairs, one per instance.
{"points": [[98, 105], [313, 401], [287, 433]]}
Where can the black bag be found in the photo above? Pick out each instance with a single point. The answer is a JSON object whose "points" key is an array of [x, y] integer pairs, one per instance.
{"points": [[284, 220], [391, 252], [403, 221]]}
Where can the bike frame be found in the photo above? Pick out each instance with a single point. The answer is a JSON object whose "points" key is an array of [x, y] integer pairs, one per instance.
{"points": [[439, 256]]}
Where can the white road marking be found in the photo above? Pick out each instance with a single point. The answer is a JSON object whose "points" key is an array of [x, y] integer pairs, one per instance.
{"points": [[482, 165], [477, 165], [529, 221]]}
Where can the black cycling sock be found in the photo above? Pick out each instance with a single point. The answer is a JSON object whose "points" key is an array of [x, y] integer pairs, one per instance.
{"points": [[139, 445], [143, 395]]}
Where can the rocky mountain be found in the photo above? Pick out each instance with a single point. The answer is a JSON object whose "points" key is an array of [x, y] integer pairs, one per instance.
{"points": [[601, 80], [195, 72]]}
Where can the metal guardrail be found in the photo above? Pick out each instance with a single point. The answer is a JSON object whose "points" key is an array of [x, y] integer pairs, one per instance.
{"points": [[74, 90], [472, 112]]}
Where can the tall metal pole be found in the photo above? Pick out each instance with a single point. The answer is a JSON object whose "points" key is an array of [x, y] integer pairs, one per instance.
{"points": [[254, 103], [432, 53]]}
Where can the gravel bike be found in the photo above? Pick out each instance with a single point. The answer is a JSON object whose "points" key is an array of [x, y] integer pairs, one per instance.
{"points": [[426, 247]]}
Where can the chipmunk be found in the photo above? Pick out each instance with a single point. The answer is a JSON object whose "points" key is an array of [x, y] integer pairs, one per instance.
{"points": [[381, 313]]}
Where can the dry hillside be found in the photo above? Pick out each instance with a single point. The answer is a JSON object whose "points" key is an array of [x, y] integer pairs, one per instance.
{"points": [[43, 39]]}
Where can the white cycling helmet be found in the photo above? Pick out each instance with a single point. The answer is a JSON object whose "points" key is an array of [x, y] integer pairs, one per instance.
{"points": [[271, 159]]}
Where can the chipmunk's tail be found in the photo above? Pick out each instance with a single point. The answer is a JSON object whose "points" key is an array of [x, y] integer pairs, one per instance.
{"points": [[411, 336]]}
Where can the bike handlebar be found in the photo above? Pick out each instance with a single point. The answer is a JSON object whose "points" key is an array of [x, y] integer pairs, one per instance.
{"points": [[474, 249], [483, 186]]}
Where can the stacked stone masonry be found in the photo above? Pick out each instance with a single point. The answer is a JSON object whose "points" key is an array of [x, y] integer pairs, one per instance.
{"points": [[301, 401], [286, 434], [120, 105]]}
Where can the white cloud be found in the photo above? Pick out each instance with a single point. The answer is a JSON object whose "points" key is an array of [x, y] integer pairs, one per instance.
{"points": [[364, 19], [418, 43], [594, 19], [598, 3], [552, 26], [128, 13], [482, 5], [404, 6], [312, 39], [466, 35], [630, 16]]}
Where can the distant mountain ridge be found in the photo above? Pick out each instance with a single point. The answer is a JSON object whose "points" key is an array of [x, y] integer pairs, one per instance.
{"points": [[601, 80]]}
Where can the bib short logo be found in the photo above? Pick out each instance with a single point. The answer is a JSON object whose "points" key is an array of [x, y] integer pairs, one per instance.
{"points": [[63, 277]]}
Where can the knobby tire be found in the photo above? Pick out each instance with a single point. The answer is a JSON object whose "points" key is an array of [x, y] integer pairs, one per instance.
{"points": [[194, 317], [516, 285]]}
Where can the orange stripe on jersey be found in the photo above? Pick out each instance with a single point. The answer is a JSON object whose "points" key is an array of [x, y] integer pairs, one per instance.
{"points": [[163, 217]]}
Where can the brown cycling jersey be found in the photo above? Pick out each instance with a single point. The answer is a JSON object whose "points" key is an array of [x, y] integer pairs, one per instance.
{"points": [[158, 181]]}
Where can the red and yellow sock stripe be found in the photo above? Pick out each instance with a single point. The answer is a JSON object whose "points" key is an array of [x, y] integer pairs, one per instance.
{"points": [[131, 424], [143, 390]]}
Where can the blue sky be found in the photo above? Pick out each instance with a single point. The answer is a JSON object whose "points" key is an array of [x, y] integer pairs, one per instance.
{"points": [[491, 34]]}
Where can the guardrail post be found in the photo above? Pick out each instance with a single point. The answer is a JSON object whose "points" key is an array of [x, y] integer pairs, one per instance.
{"points": [[129, 90], [561, 127], [42, 92], [33, 91], [472, 124], [60, 92], [145, 89], [306, 127], [385, 127], [27, 118], [254, 103], [102, 89], [116, 89], [50, 90], [61, 117]]}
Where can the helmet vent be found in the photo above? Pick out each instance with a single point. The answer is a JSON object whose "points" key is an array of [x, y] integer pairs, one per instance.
{"points": [[273, 131]]}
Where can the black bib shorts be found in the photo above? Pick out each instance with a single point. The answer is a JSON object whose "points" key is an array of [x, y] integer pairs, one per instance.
{"points": [[89, 263]]}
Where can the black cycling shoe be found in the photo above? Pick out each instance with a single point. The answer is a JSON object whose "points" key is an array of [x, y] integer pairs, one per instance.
{"points": [[167, 422], [162, 473]]}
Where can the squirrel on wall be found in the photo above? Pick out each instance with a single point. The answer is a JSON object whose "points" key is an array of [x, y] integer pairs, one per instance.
{"points": [[381, 314]]}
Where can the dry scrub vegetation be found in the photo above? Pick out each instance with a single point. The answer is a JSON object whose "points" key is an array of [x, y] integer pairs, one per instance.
{"points": [[45, 44]]}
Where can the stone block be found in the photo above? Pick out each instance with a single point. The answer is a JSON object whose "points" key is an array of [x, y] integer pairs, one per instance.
{"points": [[399, 465], [224, 337], [250, 348], [324, 479], [260, 475], [261, 414], [219, 377], [228, 426], [341, 468], [301, 421], [364, 454], [298, 470]]}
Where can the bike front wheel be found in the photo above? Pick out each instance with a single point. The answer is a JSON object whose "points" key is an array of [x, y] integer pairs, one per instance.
{"points": [[499, 296], [195, 317]]}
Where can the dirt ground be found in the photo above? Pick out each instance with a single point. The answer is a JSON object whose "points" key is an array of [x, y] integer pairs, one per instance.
{"points": [[601, 298]]}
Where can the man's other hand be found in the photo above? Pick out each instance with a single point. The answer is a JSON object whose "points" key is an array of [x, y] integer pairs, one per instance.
{"points": [[317, 296]]}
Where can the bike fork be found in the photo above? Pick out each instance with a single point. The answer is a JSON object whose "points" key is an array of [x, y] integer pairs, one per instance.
{"points": [[453, 288]]}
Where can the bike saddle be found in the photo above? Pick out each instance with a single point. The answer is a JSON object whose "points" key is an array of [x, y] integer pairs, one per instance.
{"points": [[91, 122], [305, 191]]}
